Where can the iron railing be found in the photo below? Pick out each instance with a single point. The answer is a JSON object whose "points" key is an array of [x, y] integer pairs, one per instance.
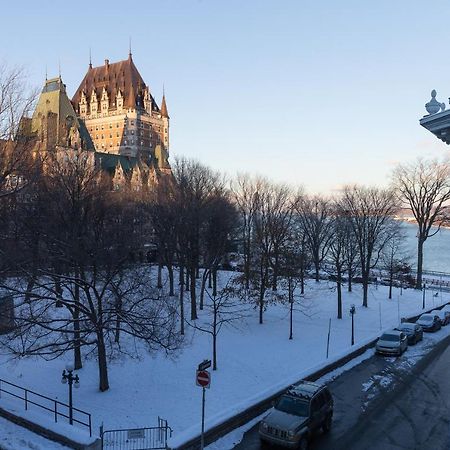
{"points": [[152, 438], [57, 408]]}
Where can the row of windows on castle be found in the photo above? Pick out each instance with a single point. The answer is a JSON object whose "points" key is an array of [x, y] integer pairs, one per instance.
{"points": [[138, 132], [93, 104]]}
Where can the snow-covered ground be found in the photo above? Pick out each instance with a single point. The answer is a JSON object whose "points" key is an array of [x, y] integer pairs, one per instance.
{"points": [[13, 437], [253, 361]]}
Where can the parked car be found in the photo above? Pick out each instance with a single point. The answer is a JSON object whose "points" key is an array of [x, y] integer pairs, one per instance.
{"points": [[446, 309], [443, 315], [392, 342], [429, 322], [413, 332], [297, 413]]}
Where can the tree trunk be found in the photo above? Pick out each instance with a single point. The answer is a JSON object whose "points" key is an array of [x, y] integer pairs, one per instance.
{"points": [[365, 283], [210, 280], [316, 266], [182, 300], [391, 279], [203, 287], [171, 287], [187, 280], [193, 294], [350, 276], [291, 309], [339, 293], [261, 296], [159, 276], [275, 272], [215, 338], [247, 262], [77, 363], [302, 279], [420, 242], [214, 283], [102, 363]]}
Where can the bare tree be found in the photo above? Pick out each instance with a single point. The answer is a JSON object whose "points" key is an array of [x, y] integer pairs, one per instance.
{"points": [[217, 230], [423, 186], [195, 185], [393, 256], [369, 211], [16, 102], [166, 224], [224, 310], [244, 195], [337, 255], [315, 218]]}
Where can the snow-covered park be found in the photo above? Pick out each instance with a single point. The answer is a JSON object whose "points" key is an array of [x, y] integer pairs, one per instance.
{"points": [[254, 361]]}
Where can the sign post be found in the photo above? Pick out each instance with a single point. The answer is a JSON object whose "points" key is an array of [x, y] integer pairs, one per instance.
{"points": [[203, 379]]}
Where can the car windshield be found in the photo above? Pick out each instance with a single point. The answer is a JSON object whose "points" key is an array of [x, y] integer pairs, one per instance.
{"points": [[406, 329], [426, 319], [390, 337], [292, 405]]}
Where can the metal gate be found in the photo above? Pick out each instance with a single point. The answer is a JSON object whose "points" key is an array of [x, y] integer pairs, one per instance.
{"points": [[137, 438]]}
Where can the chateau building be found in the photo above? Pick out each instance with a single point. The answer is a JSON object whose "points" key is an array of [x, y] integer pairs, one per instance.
{"points": [[120, 113], [113, 116]]}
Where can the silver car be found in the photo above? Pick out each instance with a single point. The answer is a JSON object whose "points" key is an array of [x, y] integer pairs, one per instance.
{"points": [[392, 342]]}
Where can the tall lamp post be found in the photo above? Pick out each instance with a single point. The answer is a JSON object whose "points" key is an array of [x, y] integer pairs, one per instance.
{"points": [[69, 378], [352, 313], [423, 296]]}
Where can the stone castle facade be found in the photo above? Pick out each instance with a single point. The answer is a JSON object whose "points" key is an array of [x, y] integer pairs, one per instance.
{"points": [[113, 115]]}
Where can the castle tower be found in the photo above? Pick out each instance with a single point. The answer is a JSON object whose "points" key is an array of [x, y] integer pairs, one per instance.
{"points": [[54, 121], [120, 113]]}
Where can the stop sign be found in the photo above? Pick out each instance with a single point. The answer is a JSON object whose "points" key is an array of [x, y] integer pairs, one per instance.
{"points": [[203, 378]]}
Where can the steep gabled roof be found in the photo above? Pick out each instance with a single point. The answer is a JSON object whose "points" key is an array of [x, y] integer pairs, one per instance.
{"points": [[54, 100], [122, 75]]}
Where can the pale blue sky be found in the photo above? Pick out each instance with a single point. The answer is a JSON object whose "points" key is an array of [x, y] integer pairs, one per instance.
{"points": [[318, 93]]}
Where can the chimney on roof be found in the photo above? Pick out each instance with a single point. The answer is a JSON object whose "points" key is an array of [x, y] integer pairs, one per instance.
{"points": [[107, 62]]}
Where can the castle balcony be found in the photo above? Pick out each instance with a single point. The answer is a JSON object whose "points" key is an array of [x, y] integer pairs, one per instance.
{"points": [[437, 121]]}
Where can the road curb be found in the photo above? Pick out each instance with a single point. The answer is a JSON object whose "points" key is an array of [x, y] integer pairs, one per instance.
{"points": [[258, 408]]}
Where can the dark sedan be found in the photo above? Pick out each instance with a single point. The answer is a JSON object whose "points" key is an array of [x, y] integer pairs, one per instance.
{"points": [[429, 322], [412, 330]]}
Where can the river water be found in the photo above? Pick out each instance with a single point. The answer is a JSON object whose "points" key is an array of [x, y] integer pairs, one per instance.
{"points": [[436, 249]]}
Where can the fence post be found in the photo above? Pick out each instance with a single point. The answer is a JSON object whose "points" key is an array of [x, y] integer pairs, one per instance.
{"points": [[90, 426]]}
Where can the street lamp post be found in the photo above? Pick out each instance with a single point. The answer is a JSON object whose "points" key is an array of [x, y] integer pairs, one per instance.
{"points": [[68, 377], [423, 296], [352, 313]]}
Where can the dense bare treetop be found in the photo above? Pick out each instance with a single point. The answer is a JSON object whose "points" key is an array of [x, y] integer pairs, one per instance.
{"points": [[424, 186]]}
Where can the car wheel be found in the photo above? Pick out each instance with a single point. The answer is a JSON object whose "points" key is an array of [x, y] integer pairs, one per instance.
{"points": [[303, 444], [326, 425]]}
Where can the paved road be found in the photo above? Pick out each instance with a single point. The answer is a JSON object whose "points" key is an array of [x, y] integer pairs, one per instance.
{"points": [[389, 404]]}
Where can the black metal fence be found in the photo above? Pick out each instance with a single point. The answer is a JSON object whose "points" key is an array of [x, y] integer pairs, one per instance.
{"points": [[137, 438], [56, 408]]}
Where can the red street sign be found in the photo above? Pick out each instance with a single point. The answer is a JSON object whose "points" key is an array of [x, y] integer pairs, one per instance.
{"points": [[203, 378]]}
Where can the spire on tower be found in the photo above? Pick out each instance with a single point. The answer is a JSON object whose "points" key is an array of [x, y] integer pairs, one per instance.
{"points": [[129, 49], [164, 111], [90, 58]]}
